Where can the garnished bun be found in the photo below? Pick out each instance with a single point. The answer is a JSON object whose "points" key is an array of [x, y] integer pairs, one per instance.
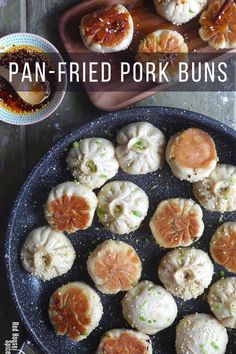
{"points": [[200, 333], [122, 206], [47, 253], [149, 308], [222, 301], [124, 341], [223, 246], [217, 192], [141, 148], [70, 207], [220, 34], [177, 222], [92, 161], [163, 46], [179, 11], [191, 154], [75, 310], [107, 30], [114, 266], [186, 272]]}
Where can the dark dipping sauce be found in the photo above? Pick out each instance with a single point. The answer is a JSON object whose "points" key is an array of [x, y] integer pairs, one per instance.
{"points": [[20, 55]]}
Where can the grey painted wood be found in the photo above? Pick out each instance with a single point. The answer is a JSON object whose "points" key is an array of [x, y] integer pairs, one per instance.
{"points": [[12, 166], [21, 147], [218, 105]]}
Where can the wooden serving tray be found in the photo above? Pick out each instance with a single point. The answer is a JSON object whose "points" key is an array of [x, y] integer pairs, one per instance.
{"points": [[146, 21]]}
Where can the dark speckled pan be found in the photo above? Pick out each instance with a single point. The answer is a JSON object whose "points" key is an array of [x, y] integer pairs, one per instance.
{"points": [[31, 295]]}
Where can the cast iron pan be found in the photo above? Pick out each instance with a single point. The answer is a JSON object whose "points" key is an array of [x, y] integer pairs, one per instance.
{"points": [[31, 296]]}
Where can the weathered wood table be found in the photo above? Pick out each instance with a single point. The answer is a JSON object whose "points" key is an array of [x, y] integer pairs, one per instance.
{"points": [[21, 147]]}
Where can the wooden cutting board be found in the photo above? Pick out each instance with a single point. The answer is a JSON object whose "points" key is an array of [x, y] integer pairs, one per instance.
{"points": [[146, 21]]}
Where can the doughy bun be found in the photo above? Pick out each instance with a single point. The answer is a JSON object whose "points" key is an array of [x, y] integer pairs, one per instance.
{"points": [[186, 272], [217, 192], [70, 207], [200, 333], [114, 266], [191, 155], [179, 11], [149, 308], [47, 253], [107, 30], [92, 162], [222, 301], [124, 341], [163, 46], [223, 246], [177, 222], [122, 206], [219, 34], [75, 310], [141, 148]]}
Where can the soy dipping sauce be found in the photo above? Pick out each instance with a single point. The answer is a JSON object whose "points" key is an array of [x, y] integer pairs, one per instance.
{"points": [[20, 55]]}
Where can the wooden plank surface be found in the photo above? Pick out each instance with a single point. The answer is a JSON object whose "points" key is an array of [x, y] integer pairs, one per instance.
{"points": [[21, 147]]}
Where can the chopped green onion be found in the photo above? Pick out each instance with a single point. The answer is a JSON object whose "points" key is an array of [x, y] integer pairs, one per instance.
{"points": [[217, 306], [91, 165], [222, 274], [191, 11], [144, 303], [98, 143], [232, 181], [76, 144], [203, 350], [137, 213], [151, 288], [142, 318], [181, 256], [109, 134], [103, 176], [117, 210], [138, 145], [214, 345], [100, 213]]}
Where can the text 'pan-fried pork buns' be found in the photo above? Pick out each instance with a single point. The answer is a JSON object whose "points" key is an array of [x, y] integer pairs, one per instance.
{"points": [[163, 46], [122, 206], [114, 266], [118, 341], [220, 34], [222, 301], [107, 30], [149, 307], [177, 222], [179, 11], [191, 154], [141, 148], [75, 310], [200, 333], [223, 246], [70, 207], [217, 192], [92, 161], [47, 253], [186, 272]]}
